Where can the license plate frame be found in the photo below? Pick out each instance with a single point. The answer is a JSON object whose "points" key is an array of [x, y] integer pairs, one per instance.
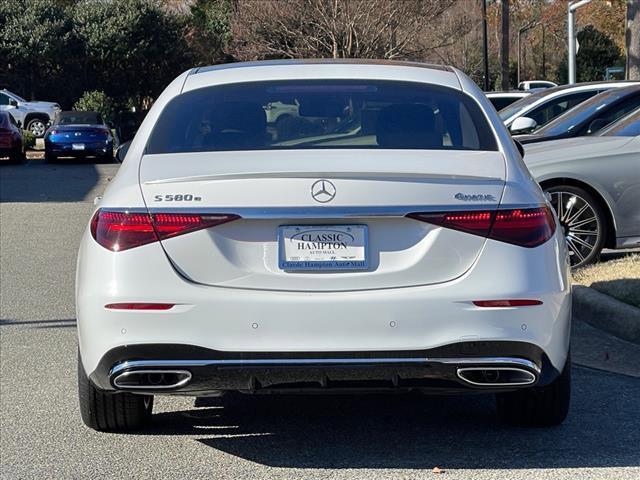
{"points": [[347, 261], [77, 146]]}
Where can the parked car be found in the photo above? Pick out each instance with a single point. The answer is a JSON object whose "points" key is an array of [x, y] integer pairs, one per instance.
{"points": [[11, 144], [78, 135], [588, 117], [535, 84], [594, 185], [222, 259], [501, 100], [32, 116], [539, 108]]}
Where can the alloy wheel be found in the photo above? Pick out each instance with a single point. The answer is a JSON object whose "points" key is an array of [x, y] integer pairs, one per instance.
{"points": [[37, 127], [580, 224]]}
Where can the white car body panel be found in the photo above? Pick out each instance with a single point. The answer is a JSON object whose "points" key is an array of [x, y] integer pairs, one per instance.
{"points": [[230, 295]]}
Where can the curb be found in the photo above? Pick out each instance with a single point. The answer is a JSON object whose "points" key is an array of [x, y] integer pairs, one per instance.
{"points": [[606, 313]]}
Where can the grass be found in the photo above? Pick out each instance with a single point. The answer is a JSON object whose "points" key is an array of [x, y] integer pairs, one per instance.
{"points": [[618, 278]]}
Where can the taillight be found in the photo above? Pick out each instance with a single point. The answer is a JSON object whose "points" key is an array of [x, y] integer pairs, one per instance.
{"points": [[526, 227], [139, 306], [117, 231], [518, 302]]}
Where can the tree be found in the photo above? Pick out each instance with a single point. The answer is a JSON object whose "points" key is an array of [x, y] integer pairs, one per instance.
{"points": [[632, 40], [504, 45], [131, 48], [333, 28], [35, 38], [209, 31], [96, 101], [597, 52]]}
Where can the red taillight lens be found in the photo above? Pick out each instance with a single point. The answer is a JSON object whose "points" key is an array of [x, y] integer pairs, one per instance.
{"points": [[478, 223], [119, 231], [139, 306], [527, 227], [506, 303]]}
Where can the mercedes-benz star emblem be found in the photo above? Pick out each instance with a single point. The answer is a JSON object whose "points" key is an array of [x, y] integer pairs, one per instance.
{"points": [[323, 191]]}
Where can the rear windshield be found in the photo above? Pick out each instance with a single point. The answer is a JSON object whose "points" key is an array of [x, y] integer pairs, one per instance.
{"points": [[321, 114], [79, 118]]}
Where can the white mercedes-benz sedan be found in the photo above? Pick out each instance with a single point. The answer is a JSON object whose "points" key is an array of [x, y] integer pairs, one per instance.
{"points": [[322, 226]]}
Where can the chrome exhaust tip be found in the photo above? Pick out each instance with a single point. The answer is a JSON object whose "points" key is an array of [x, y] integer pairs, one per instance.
{"points": [[152, 379], [496, 376]]}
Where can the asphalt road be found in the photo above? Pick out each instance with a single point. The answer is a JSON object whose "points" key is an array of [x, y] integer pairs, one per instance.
{"points": [[43, 211]]}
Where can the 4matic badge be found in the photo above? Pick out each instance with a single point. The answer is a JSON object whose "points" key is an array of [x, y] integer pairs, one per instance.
{"points": [[481, 197]]}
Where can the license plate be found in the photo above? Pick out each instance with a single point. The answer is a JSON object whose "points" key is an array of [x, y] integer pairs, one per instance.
{"points": [[323, 247], [77, 146]]}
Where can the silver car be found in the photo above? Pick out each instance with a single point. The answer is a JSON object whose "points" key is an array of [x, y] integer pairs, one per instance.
{"points": [[594, 185]]}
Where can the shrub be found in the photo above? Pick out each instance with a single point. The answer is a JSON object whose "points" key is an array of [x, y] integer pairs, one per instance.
{"points": [[28, 139], [96, 101]]}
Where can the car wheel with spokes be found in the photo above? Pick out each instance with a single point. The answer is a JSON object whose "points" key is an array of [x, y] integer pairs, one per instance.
{"points": [[37, 126], [582, 220]]}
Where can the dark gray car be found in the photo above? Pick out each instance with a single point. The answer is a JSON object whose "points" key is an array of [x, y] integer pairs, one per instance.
{"points": [[594, 185]]}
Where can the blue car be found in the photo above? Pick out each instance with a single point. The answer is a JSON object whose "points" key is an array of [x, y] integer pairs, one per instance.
{"points": [[78, 135]]}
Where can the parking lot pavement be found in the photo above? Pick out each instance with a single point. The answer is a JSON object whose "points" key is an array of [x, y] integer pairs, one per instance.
{"points": [[398, 436]]}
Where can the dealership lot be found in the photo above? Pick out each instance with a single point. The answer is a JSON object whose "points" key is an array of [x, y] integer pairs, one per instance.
{"points": [[43, 211]]}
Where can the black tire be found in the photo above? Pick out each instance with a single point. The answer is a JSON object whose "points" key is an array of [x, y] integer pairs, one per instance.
{"points": [[37, 125], [50, 158], [580, 253], [111, 412], [537, 406], [18, 157], [106, 158]]}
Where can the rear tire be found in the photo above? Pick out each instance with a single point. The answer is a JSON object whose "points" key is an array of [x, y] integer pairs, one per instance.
{"points": [[18, 157], [111, 412], [537, 406]]}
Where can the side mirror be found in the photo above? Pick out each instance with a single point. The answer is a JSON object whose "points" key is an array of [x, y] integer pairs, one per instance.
{"points": [[523, 125], [520, 147], [13, 102], [121, 151]]}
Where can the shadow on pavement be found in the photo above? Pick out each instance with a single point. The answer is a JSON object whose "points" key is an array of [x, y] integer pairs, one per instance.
{"points": [[64, 323], [58, 182], [413, 431]]}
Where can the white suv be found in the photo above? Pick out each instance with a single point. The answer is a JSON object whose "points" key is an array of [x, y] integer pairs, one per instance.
{"points": [[409, 251], [33, 116]]}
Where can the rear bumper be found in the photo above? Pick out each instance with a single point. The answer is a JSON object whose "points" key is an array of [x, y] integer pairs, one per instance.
{"points": [[90, 149], [189, 370], [239, 324]]}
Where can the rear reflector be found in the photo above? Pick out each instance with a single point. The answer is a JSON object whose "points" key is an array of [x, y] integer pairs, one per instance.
{"points": [[506, 303], [139, 306], [526, 227], [117, 231]]}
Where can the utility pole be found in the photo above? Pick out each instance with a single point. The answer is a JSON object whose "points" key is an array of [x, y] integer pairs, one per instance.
{"points": [[485, 47], [632, 40], [504, 45], [521, 30], [571, 37]]}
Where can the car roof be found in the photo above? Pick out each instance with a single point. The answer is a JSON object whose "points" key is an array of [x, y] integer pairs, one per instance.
{"points": [[512, 93], [322, 69], [321, 61]]}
